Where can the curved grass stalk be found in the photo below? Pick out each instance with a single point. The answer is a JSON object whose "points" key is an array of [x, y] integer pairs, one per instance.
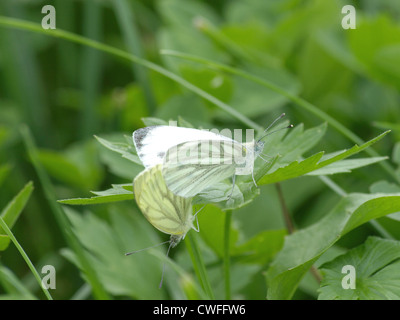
{"points": [[7, 230], [61, 34]]}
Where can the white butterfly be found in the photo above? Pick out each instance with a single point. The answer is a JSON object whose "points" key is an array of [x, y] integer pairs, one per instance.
{"points": [[195, 159], [165, 210]]}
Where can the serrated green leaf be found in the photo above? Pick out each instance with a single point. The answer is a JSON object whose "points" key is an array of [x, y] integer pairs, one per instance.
{"points": [[315, 162], [124, 149], [377, 271], [114, 194], [345, 166], [304, 247]]}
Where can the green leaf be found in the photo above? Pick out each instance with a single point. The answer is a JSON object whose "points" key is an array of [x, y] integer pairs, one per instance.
{"points": [[304, 247], [114, 194], [315, 162], [12, 211], [346, 166], [124, 149], [377, 270]]}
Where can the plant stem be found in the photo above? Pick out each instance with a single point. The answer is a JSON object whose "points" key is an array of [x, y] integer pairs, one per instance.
{"points": [[285, 211], [198, 265], [227, 261], [5, 227]]}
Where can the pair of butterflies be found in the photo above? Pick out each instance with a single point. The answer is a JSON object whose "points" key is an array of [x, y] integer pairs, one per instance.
{"points": [[182, 162], [179, 164]]}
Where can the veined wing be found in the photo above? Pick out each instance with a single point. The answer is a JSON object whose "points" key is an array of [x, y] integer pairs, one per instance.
{"points": [[153, 142], [191, 167], [166, 211]]}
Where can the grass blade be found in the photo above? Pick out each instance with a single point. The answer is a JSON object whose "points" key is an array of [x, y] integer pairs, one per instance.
{"points": [[198, 264], [4, 226]]}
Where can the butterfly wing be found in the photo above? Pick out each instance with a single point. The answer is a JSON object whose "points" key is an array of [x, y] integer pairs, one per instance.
{"points": [[153, 142], [191, 167], [166, 211]]}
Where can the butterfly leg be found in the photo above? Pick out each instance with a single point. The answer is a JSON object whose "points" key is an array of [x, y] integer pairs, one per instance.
{"points": [[254, 180], [197, 220], [233, 186]]}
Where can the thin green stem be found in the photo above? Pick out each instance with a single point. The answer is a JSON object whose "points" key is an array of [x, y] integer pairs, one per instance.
{"points": [[198, 264], [227, 261], [58, 33], [25, 257], [297, 100], [285, 211]]}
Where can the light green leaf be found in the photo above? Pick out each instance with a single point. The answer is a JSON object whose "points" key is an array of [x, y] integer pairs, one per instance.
{"points": [[12, 211], [346, 166], [315, 162], [304, 247], [377, 270], [126, 150], [114, 194]]}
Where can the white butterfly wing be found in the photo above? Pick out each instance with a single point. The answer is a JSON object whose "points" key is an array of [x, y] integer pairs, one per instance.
{"points": [[153, 142], [166, 211], [191, 167]]}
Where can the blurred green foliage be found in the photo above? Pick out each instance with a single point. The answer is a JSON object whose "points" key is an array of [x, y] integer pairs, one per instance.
{"points": [[67, 92]]}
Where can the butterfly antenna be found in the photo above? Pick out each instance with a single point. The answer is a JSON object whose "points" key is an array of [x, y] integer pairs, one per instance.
{"points": [[288, 127], [273, 122], [163, 267], [156, 245]]}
